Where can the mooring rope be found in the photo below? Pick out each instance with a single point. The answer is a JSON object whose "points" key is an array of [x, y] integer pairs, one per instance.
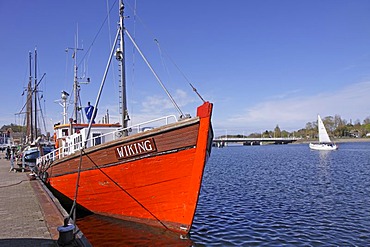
{"points": [[10, 185]]}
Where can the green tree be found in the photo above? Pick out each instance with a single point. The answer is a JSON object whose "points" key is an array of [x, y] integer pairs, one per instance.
{"points": [[367, 120], [285, 134], [329, 124], [277, 131]]}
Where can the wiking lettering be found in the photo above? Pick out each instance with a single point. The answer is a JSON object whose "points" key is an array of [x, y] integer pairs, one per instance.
{"points": [[136, 148]]}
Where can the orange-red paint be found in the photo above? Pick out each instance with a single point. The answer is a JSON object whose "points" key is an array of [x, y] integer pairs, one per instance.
{"points": [[160, 188]]}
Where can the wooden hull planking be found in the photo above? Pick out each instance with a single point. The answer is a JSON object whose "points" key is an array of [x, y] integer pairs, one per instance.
{"points": [[159, 188]]}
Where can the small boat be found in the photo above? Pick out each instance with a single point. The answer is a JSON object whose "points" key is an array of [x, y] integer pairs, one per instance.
{"points": [[324, 141], [30, 153], [149, 173]]}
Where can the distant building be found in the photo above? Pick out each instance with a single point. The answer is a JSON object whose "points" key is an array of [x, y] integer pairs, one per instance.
{"points": [[10, 135]]}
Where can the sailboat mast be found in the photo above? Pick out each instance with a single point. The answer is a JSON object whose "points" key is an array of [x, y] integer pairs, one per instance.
{"points": [[121, 59], [29, 103], [35, 93]]}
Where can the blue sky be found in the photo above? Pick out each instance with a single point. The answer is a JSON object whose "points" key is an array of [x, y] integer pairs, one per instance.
{"points": [[262, 63]]}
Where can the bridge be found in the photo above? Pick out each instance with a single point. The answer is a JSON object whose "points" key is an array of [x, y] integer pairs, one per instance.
{"points": [[223, 141]]}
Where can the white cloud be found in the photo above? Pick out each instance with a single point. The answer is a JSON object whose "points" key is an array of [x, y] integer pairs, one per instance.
{"points": [[153, 106], [292, 113], [156, 104]]}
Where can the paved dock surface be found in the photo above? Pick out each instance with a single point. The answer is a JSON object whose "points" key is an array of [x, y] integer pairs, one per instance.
{"points": [[28, 215]]}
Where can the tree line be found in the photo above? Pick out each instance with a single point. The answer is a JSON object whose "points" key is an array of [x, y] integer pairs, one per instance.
{"points": [[335, 126], [339, 128]]}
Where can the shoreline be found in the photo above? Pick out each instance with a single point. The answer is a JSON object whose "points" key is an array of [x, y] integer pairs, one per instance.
{"points": [[336, 140]]}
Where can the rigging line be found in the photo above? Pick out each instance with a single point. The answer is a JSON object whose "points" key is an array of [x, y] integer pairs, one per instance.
{"points": [[181, 72], [42, 115], [133, 61], [108, 18], [102, 84], [70, 100], [162, 59], [90, 124], [86, 65], [154, 73], [24, 121], [25, 86], [97, 34], [172, 61], [73, 208], [29, 96], [196, 91], [146, 27], [66, 69], [125, 191], [110, 44], [82, 115], [24, 131]]}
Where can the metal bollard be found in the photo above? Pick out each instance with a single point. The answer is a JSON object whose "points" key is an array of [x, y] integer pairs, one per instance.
{"points": [[66, 235]]}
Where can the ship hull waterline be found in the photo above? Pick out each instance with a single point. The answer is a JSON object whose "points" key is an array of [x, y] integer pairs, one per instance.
{"points": [[153, 177]]}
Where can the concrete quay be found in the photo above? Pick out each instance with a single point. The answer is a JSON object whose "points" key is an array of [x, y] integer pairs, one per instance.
{"points": [[29, 212]]}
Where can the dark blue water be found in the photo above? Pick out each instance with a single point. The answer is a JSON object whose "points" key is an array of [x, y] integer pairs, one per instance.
{"points": [[285, 195], [268, 196]]}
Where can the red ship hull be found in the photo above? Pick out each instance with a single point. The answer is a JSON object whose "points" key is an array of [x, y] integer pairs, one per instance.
{"points": [[153, 177]]}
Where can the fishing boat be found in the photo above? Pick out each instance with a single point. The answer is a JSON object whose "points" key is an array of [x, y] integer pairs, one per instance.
{"points": [[140, 173], [324, 141]]}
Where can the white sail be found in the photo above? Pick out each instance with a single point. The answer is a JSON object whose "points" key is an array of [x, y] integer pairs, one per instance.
{"points": [[323, 134], [324, 141]]}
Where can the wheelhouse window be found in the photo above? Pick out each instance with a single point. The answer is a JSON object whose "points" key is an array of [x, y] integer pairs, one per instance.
{"points": [[77, 142], [65, 132], [97, 139]]}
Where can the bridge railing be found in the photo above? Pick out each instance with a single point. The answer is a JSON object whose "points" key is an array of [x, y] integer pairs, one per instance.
{"points": [[241, 139]]}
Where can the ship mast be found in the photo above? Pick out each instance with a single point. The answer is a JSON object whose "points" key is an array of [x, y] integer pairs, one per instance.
{"points": [[120, 55], [35, 96], [76, 83], [75, 87], [29, 103]]}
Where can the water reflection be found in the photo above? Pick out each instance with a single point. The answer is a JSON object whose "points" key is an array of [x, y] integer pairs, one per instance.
{"points": [[106, 231], [323, 155], [324, 167]]}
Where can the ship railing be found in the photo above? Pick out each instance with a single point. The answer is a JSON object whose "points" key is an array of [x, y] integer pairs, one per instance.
{"points": [[71, 148], [133, 129], [144, 126], [50, 157]]}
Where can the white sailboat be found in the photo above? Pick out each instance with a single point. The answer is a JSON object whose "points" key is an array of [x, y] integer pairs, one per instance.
{"points": [[324, 141]]}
